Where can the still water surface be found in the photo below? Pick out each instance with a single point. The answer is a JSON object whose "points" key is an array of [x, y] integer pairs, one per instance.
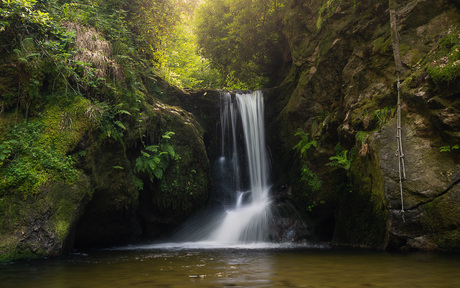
{"points": [[185, 266]]}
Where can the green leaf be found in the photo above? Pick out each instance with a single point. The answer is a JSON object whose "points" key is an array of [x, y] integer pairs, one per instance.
{"points": [[122, 111], [168, 135], [119, 124], [152, 165], [445, 149], [139, 183], [170, 150], [32, 55], [152, 148], [158, 173]]}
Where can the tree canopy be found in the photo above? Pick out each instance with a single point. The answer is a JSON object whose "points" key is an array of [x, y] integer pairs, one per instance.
{"points": [[243, 39]]}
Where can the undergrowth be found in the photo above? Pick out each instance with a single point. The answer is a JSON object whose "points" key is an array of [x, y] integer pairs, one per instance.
{"points": [[28, 162], [445, 68]]}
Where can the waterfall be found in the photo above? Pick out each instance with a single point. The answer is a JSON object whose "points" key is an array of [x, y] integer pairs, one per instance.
{"points": [[245, 168]]}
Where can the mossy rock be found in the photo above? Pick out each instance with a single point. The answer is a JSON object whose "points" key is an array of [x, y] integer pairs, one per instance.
{"points": [[42, 225], [362, 218], [39, 220], [185, 185], [109, 217], [441, 219]]}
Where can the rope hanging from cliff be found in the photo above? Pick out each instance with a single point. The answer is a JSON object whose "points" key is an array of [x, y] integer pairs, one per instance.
{"points": [[399, 150], [398, 68]]}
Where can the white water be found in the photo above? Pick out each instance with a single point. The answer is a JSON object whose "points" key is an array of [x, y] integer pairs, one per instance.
{"points": [[245, 222]]}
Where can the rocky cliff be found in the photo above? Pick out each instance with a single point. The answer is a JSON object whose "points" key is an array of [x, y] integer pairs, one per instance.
{"points": [[342, 90], [104, 204]]}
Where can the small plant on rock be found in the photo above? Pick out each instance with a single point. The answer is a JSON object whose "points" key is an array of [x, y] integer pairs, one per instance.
{"points": [[155, 159], [305, 144], [342, 158]]}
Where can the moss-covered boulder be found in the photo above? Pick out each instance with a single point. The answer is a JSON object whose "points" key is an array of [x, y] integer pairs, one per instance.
{"points": [[43, 225], [184, 186], [43, 195], [110, 216]]}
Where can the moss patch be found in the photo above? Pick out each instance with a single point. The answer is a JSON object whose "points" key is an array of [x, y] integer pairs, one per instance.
{"points": [[362, 220], [442, 219]]}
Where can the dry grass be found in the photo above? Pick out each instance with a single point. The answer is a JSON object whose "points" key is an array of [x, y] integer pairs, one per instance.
{"points": [[91, 48]]}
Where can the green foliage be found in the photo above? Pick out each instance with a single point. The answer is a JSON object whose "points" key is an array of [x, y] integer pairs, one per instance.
{"points": [[342, 159], [446, 66], [152, 22], [383, 115], [304, 144], [21, 15], [361, 136], [43, 52], [445, 148], [181, 64], [307, 176], [310, 178], [28, 161], [242, 39], [110, 119], [154, 160]]}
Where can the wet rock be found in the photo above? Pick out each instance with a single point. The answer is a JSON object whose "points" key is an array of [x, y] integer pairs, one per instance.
{"points": [[344, 69], [288, 226]]}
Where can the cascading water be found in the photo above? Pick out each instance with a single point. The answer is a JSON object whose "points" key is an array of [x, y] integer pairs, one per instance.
{"points": [[241, 185], [247, 219]]}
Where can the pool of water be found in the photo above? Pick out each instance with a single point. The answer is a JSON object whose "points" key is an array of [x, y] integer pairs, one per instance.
{"points": [[167, 265]]}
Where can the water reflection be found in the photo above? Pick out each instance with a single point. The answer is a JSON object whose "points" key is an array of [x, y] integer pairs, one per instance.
{"points": [[236, 268]]}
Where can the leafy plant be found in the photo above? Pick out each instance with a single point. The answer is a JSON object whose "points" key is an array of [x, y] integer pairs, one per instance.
{"points": [[361, 136], [27, 162], [304, 144], [342, 159], [315, 204], [383, 115], [110, 123], [449, 148], [302, 147], [155, 159]]}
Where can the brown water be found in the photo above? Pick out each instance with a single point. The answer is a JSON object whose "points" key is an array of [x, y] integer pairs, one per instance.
{"points": [[231, 267]]}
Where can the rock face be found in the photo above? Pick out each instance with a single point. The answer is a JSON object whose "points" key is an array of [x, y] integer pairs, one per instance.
{"points": [[342, 90], [44, 225], [118, 213], [103, 206]]}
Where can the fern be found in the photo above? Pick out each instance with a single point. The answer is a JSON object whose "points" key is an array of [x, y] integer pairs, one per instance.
{"points": [[449, 148], [342, 159], [154, 160], [305, 143], [139, 183]]}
